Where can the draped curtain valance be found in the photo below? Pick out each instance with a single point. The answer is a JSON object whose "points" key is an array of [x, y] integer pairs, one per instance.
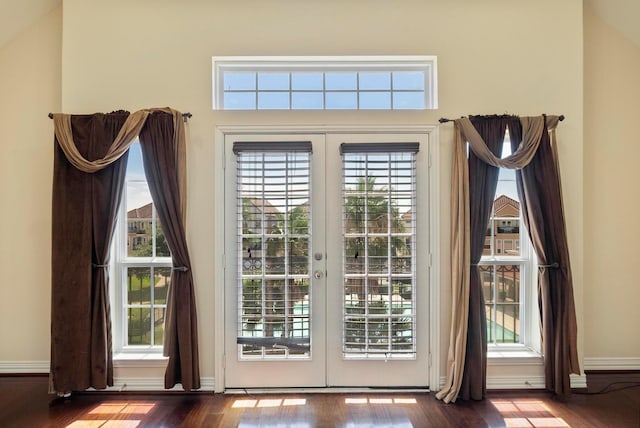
{"points": [[538, 181]]}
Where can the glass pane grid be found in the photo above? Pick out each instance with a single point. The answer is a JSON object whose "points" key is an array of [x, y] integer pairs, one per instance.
{"points": [[146, 299], [503, 261], [501, 288], [324, 90], [145, 260], [379, 263], [274, 240]]}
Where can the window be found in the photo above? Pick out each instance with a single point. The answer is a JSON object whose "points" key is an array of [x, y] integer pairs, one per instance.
{"points": [[324, 83], [506, 267], [379, 241], [143, 266]]}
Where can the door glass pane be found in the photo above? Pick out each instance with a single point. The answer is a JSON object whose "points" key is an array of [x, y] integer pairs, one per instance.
{"points": [[274, 241], [378, 211]]}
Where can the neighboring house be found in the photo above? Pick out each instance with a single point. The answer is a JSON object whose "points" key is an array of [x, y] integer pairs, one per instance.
{"points": [[506, 227], [139, 226]]}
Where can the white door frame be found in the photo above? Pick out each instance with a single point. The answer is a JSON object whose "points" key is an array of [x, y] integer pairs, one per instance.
{"points": [[431, 131]]}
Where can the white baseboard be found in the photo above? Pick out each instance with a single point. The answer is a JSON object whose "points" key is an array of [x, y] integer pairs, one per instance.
{"points": [[26, 367], [609, 363], [120, 383], [525, 382], [123, 384]]}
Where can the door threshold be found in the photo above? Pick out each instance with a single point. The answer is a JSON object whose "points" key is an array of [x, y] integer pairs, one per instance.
{"points": [[329, 390]]}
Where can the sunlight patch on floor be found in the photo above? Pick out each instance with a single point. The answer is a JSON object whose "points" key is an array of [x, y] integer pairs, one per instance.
{"points": [[113, 415], [379, 400], [268, 402], [527, 414]]}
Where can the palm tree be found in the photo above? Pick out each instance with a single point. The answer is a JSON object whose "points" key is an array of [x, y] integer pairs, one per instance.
{"points": [[368, 212]]}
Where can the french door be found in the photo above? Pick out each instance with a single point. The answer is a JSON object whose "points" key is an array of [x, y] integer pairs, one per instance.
{"points": [[324, 239]]}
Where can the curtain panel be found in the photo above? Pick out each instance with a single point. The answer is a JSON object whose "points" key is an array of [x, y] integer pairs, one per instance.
{"points": [[163, 154], [544, 219], [83, 221], [89, 171], [540, 192], [483, 180]]}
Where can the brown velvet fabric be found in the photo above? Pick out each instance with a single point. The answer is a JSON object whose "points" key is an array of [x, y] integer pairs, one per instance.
{"points": [[483, 180], [541, 200], [162, 158], [83, 222]]}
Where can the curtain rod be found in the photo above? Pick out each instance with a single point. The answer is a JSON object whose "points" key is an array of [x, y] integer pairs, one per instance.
{"points": [[444, 119], [185, 116]]}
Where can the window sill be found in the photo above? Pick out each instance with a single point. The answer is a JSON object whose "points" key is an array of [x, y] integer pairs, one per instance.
{"points": [[124, 360], [514, 357]]}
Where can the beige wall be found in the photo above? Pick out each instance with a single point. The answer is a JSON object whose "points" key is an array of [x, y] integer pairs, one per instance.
{"points": [[494, 56], [611, 205], [30, 76]]}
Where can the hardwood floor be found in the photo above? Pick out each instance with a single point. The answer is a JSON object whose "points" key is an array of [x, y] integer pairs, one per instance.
{"points": [[24, 403]]}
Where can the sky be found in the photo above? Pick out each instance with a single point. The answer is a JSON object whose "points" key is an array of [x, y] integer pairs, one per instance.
{"points": [[137, 188]]}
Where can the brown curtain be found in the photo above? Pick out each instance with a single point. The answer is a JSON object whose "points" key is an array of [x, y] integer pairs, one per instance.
{"points": [[83, 222], [534, 138], [541, 199], [483, 180], [163, 156], [89, 170]]}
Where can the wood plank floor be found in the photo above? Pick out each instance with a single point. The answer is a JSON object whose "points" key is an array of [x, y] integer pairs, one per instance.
{"points": [[24, 403]]}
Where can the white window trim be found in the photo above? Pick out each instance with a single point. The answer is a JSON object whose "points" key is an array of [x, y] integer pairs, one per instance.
{"points": [[221, 64]]}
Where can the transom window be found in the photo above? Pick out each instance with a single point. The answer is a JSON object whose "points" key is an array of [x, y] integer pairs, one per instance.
{"points": [[324, 83]]}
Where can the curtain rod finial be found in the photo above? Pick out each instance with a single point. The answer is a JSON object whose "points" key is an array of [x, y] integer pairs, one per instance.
{"points": [[50, 115]]}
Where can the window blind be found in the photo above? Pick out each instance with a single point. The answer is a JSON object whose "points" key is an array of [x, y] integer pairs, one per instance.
{"points": [[274, 241], [379, 241]]}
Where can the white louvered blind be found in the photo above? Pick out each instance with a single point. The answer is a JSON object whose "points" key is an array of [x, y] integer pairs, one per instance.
{"points": [[274, 241], [379, 241]]}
